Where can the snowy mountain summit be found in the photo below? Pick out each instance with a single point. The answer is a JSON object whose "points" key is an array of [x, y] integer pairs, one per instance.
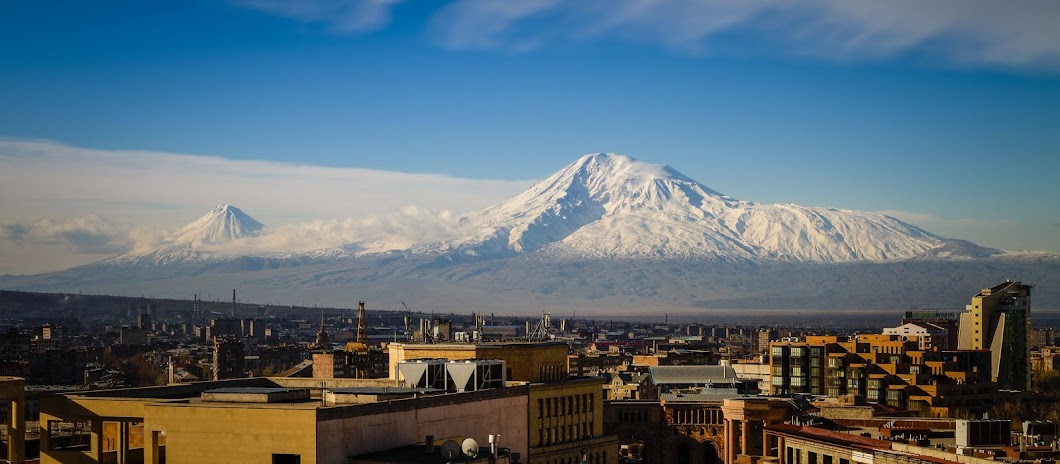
{"points": [[223, 224], [603, 206], [614, 206], [203, 239]]}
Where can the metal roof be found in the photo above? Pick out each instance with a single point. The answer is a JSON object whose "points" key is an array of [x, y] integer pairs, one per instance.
{"points": [[706, 394], [692, 375]]}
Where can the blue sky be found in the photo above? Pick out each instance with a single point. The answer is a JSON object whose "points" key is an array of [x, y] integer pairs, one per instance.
{"points": [[946, 114]]}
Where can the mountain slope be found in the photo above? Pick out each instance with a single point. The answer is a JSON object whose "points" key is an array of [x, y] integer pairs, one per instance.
{"points": [[608, 205], [204, 239], [223, 224], [606, 233]]}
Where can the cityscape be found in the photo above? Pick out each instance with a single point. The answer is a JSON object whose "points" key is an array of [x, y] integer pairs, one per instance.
{"points": [[530, 232], [133, 379]]}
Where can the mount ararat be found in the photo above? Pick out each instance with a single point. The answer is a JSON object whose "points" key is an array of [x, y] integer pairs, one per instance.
{"points": [[605, 234]]}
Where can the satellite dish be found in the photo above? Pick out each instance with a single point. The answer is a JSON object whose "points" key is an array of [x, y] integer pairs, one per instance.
{"points": [[451, 450], [470, 447]]}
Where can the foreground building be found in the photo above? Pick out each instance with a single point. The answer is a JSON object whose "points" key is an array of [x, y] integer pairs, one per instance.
{"points": [[566, 422], [271, 420]]}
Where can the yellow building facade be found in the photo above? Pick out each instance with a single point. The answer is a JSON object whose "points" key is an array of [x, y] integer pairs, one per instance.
{"points": [[567, 423], [181, 424]]}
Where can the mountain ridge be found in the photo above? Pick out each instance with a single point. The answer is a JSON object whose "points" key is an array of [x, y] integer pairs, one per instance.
{"points": [[607, 231]]}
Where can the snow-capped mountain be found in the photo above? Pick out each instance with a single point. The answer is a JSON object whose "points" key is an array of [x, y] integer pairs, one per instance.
{"points": [[608, 205], [203, 239], [223, 224], [607, 232]]}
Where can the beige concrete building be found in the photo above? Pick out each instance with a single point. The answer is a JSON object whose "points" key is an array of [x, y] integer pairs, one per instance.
{"points": [[13, 391], [745, 426], [266, 421], [567, 423], [565, 419]]}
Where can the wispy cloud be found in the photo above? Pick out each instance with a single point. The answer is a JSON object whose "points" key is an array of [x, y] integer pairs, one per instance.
{"points": [[74, 203], [343, 16], [376, 233], [81, 235], [1019, 33], [1014, 34]]}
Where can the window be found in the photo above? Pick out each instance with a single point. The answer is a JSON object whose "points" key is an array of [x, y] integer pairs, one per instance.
{"points": [[286, 459], [540, 408], [69, 435], [811, 457]]}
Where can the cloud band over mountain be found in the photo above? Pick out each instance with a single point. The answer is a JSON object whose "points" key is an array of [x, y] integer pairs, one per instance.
{"points": [[81, 203]]}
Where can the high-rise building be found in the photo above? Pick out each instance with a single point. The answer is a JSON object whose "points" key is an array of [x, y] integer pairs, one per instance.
{"points": [[143, 321], [228, 358], [999, 319]]}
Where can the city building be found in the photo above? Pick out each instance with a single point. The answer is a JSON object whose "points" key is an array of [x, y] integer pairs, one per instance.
{"points": [[228, 358], [565, 419], [965, 442], [270, 420], [927, 334], [567, 423], [947, 321], [134, 336], [884, 369], [998, 319], [525, 361], [354, 361]]}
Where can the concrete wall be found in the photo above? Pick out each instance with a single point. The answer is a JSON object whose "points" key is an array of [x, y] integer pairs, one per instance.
{"points": [[239, 434], [396, 424]]}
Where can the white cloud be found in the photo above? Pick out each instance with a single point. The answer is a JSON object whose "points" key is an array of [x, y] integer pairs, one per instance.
{"points": [[1019, 33], [91, 235], [343, 16], [54, 199], [376, 232]]}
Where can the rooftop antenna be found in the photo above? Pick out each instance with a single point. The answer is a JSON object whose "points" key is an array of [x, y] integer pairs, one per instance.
{"points": [[540, 331], [408, 322]]}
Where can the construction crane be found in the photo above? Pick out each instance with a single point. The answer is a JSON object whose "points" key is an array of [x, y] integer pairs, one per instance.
{"points": [[408, 322]]}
